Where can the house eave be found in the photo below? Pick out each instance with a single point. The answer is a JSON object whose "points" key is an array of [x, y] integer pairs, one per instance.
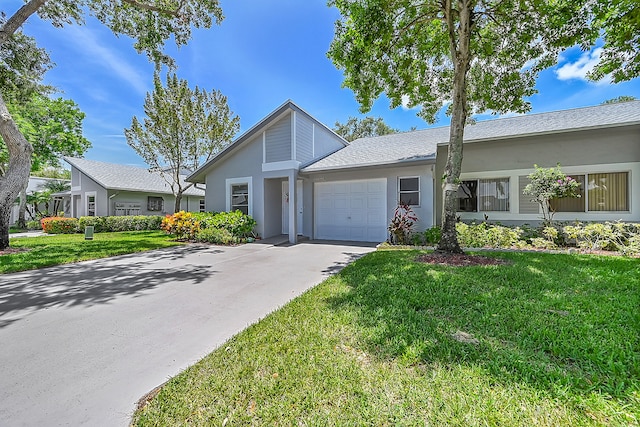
{"points": [[551, 132], [372, 165]]}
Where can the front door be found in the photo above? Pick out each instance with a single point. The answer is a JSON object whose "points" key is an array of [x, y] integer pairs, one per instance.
{"points": [[285, 206]]}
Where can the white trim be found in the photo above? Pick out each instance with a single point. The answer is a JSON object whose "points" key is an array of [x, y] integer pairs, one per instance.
{"points": [[299, 207], [76, 188], [264, 146], [95, 203], [244, 180], [316, 206], [284, 165], [419, 189], [495, 176], [633, 215], [313, 141], [293, 134]]}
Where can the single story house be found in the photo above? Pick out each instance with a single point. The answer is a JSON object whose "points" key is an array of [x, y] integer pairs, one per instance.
{"points": [[107, 189], [35, 184], [295, 176]]}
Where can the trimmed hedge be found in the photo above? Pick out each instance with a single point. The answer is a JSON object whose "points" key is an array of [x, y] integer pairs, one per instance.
{"points": [[59, 225], [101, 224], [216, 227], [612, 236]]}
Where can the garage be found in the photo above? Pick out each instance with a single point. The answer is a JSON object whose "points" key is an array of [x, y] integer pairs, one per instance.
{"points": [[351, 210]]}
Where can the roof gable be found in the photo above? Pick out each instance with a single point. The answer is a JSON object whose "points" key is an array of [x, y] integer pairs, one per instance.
{"points": [[265, 123], [126, 178]]}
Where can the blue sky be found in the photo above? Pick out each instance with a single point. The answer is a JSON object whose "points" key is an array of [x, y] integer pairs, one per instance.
{"points": [[262, 54]]}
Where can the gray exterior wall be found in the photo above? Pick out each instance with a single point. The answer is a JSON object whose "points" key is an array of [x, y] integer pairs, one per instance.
{"points": [[600, 150], [86, 187], [278, 141], [325, 142], [274, 143], [188, 203], [304, 139], [244, 162], [392, 174], [106, 200]]}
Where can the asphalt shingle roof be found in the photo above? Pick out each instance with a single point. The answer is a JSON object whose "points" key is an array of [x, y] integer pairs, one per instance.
{"points": [[422, 145], [126, 178]]}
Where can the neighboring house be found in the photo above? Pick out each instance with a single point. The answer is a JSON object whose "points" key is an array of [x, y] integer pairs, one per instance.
{"points": [[296, 177], [107, 189], [37, 183]]}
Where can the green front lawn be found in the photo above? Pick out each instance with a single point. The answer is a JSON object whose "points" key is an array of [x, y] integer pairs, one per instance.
{"points": [[66, 248], [548, 340]]}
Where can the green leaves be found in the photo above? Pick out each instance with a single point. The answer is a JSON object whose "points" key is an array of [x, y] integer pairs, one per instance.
{"points": [[149, 22], [355, 128], [404, 49], [550, 183], [182, 129]]}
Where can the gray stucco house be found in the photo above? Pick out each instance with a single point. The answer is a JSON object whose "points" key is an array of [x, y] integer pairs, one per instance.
{"points": [[107, 189], [297, 177]]}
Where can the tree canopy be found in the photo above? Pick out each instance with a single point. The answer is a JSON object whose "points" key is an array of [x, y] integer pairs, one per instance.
{"points": [[619, 99], [472, 55], [183, 129], [618, 22], [150, 23], [355, 128], [53, 126]]}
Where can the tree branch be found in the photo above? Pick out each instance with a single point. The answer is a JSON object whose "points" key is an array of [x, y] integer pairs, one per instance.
{"points": [[18, 18], [146, 6]]}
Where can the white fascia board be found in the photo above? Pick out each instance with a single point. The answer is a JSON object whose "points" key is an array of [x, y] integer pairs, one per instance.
{"points": [[284, 165]]}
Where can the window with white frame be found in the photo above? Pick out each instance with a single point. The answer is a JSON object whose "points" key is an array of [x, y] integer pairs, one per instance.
{"points": [[91, 205], [240, 198], [202, 205], [155, 204], [484, 195], [409, 191], [599, 192]]}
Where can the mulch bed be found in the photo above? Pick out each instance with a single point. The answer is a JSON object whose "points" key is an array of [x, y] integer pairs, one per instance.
{"points": [[9, 251], [459, 260]]}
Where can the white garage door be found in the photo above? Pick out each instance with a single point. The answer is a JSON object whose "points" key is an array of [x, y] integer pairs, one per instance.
{"points": [[351, 210]]}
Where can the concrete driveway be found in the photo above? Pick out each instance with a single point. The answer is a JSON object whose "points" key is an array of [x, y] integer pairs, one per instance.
{"points": [[80, 344]]}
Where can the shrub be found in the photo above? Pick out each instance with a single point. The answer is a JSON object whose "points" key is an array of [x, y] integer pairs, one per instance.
{"points": [[487, 235], [547, 184], [59, 225], [616, 236], [34, 225], [401, 225], [181, 224], [428, 237], [432, 235], [219, 236], [99, 223], [237, 223], [134, 222]]}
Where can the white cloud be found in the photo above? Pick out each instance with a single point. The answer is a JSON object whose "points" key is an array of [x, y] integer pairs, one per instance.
{"points": [[580, 68], [89, 43], [405, 103]]}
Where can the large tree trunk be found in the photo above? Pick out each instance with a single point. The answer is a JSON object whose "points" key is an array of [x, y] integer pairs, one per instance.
{"points": [[17, 175], [460, 54], [22, 208], [176, 208]]}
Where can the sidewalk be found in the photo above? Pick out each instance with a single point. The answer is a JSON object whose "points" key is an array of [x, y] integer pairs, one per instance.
{"points": [[34, 233]]}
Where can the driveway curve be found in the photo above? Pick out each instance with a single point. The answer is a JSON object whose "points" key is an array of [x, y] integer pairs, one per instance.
{"points": [[81, 343]]}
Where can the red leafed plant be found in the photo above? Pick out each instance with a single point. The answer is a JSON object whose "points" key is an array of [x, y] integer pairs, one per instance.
{"points": [[401, 226]]}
